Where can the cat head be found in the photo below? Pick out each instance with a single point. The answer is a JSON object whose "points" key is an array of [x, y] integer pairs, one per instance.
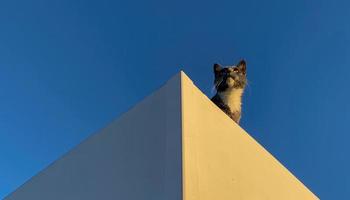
{"points": [[230, 76]]}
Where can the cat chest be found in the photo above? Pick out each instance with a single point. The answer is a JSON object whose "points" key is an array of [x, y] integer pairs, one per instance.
{"points": [[233, 99]]}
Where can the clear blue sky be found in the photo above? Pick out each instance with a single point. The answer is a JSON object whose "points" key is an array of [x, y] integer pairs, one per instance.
{"points": [[68, 68]]}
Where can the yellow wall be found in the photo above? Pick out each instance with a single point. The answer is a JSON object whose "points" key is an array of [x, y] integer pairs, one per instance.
{"points": [[222, 162]]}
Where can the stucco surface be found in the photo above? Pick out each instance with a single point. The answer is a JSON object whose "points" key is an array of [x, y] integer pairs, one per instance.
{"points": [[221, 160]]}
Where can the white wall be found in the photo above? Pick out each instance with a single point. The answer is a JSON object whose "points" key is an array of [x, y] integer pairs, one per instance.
{"points": [[136, 157]]}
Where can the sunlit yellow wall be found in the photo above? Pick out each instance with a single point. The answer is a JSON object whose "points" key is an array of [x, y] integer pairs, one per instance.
{"points": [[222, 162]]}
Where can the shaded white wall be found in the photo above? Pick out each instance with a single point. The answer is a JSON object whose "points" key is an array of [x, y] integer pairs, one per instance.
{"points": [[136, 157]]}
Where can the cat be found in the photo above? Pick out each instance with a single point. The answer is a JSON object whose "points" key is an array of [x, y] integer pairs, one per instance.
{"points": [[229, 83]]}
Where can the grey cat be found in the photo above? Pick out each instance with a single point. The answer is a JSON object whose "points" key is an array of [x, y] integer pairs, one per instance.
{"points": [[229, 83]]}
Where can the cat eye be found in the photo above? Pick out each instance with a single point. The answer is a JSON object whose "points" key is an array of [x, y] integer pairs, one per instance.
{"points": [[235, 70]]}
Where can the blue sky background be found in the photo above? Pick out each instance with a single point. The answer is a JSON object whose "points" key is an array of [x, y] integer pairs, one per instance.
{"points": [[68, 68]]}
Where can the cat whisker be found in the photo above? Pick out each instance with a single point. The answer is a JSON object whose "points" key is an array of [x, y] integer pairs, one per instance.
{"points": [[219, 82], [248, 86], [216, 85], [213, 89]]}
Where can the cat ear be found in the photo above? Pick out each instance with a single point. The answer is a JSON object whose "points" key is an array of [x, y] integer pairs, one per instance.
{"points": [[217, 68], [242, 66]]}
